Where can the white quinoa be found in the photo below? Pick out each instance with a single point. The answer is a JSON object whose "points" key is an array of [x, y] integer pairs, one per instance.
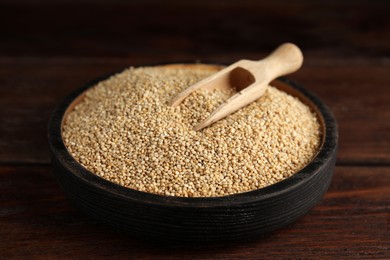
{"points": [[125, 131]]}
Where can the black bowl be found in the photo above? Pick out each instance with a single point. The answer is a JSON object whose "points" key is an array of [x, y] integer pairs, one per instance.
{"points": [[178, 219]]}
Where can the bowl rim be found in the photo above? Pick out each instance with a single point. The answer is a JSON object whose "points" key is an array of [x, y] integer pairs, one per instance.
{"points": [[305, 174]]}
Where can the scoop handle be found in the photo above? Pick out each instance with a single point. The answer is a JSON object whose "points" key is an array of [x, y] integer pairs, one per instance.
{"points": [[285, 59]]}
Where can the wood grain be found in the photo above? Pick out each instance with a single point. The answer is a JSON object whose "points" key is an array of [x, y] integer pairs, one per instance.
{"points": [[321, 28], [48, 49], [352, 221]]}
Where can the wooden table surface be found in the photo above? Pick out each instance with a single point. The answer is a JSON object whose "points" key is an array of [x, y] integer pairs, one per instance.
{"points": [[49, 49]]}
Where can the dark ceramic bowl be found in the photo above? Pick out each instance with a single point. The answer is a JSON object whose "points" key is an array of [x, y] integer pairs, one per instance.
{"points": [[178, 219]]}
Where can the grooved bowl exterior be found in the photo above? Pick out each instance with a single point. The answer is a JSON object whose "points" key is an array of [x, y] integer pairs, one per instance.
{"points": [[176, 219]]}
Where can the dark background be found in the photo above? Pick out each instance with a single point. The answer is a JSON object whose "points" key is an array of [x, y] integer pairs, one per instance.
{"points": [[49, 48]]}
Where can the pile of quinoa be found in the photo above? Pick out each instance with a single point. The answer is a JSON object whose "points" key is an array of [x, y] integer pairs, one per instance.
{"points": [[125, 132]]}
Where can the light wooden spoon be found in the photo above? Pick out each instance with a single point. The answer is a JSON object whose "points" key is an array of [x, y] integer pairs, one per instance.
{"points": [[249, 78]]}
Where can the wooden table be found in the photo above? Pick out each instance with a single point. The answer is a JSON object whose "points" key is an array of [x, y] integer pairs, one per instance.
{"points": [[49, 49]]}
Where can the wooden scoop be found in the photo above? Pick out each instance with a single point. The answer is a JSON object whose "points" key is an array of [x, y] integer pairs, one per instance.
{"points": [[249, 78]]}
